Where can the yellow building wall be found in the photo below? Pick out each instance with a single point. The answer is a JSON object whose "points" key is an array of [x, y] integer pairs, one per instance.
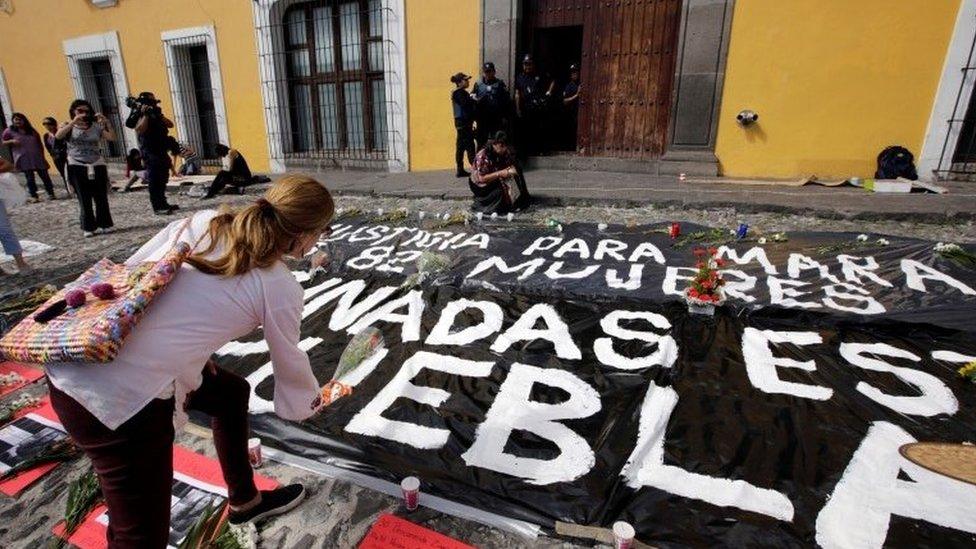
{"points": [[39, 83], [443, 37], [833, 81]]}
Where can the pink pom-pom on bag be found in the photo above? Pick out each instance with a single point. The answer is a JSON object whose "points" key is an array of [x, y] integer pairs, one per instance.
{"points": [[103, 290]]}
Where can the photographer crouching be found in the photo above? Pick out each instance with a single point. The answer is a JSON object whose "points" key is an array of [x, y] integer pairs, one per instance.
{"points": [[152, 127]]}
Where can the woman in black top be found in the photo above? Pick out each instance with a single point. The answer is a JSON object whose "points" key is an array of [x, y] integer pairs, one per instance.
{"points": [[463, 122], [57, 148], [235, 172]]}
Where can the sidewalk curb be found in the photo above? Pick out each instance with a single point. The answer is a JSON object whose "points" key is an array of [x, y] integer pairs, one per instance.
{"points": [[933, 218]]}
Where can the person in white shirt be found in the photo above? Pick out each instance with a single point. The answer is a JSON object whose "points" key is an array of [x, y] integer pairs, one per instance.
{"points": [[121, 414]]}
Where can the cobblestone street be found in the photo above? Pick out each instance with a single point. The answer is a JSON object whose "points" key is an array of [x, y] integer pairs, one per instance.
{"points": [[352, 508]]}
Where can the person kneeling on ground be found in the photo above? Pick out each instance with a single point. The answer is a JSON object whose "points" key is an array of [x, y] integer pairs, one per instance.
{"points": [[496, 180], [121, 414], [235, 172], [189, 160], [135, 171]]}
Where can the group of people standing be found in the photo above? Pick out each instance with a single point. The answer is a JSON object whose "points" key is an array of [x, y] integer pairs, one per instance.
{"points": [[76, 149], [483, 118]]}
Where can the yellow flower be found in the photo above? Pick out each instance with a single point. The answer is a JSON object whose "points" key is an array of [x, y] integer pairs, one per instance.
{"points": [[969, 371]]}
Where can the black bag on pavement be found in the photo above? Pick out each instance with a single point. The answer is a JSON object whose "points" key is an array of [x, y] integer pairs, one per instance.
{"points": [[894, 162]]}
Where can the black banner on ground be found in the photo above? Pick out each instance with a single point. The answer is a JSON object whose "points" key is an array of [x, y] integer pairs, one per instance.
{"points": [[557, 376]]}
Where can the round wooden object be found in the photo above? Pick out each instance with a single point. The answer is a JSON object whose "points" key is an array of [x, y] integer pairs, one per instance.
{"points": [[957, 461]]}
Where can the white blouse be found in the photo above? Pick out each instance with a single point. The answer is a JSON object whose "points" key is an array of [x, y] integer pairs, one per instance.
{"points": [[193, 317]]}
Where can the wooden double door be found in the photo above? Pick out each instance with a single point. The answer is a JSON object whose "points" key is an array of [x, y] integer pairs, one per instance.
{"points": [[626, 50]]}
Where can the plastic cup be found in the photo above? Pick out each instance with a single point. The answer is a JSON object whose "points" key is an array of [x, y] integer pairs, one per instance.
{"points": [[254, 452], [742, 231], [623, 535], [411, 492], [674, 230]]}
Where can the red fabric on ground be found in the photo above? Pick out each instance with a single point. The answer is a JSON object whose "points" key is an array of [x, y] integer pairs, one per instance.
{"points": [[29, 373], [394, 532]]}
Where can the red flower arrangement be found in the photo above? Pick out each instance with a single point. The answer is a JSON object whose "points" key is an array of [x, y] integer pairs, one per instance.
{"points": [[706, 287]]}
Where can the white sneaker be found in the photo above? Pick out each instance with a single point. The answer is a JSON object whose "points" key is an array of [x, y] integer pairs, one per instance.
{"points": [[89, 234], [107, 230]]}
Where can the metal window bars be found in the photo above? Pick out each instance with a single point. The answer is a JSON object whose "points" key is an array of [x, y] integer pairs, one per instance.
{"points": [[96, 80], [326, 74], [958, 157], [191, 74]]}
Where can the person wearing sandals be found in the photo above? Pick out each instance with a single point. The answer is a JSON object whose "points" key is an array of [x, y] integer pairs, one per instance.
{"points": [[86, 167], [122, 413], [8, 238], [28, 153]]}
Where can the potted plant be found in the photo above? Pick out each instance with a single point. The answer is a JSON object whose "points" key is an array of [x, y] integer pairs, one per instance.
{"points": [[705, 291]]}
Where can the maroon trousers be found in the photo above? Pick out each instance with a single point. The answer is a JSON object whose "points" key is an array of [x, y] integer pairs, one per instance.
{"points": [[134, 463]]}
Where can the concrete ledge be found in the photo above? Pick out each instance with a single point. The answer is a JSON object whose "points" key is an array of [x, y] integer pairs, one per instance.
{"points": [[690, 164]]}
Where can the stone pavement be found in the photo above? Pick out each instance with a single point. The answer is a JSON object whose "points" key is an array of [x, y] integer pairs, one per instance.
{"points": [[338, 513], [582, 188]]}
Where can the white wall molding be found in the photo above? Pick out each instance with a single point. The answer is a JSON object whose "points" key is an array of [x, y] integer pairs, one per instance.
{"points": [[395, 79], [8, 107], [953, 78], [268, 19], [193, 36], [77, 49]]}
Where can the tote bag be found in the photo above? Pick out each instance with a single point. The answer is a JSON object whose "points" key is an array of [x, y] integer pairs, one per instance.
{"points": [[94, 331]]}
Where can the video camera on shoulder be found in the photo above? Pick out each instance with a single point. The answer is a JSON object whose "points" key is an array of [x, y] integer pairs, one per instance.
{"points": [[145, 103]]}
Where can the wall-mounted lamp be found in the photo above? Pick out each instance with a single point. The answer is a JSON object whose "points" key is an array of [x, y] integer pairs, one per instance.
{"points": [[746, 117]]}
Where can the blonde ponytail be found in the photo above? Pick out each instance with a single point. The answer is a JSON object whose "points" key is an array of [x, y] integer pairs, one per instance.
{"points": [[256, 236]]}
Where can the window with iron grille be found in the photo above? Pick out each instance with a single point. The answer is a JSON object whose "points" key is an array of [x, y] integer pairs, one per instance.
{"points": [[97, 83], [334, 70], [194, 107], [958, 159]]}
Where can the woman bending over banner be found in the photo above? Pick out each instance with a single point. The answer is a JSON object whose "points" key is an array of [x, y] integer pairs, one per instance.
{"points": [[496, 180], [122, 413]]}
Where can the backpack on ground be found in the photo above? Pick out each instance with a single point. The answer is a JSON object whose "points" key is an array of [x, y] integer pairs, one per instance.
{"points": [[894, 162]]}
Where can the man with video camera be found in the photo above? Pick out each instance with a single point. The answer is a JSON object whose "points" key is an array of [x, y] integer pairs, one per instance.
{"points": [[152, 127]]}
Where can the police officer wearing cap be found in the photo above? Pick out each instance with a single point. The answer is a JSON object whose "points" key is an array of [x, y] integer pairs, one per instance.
{"points": [[569, 114], [493, 105], [463, 105], [532, 93]]}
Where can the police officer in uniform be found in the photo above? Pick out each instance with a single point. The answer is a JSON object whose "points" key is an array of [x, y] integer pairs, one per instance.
{"points": [[463, 105], [493, 105], [532, 94], [570, 109]]}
